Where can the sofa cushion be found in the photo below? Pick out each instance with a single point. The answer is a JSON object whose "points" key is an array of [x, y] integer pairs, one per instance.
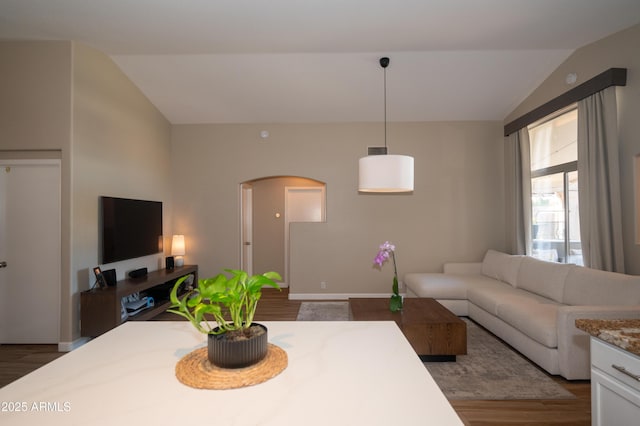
{"points": [[490, 298], [444, 286], [473, 268], [544, 278], [501, 266], [536, 320], [585, 286]]}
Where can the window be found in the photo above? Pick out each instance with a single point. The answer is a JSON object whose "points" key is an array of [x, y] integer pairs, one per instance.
{"points": [[554, 188]]}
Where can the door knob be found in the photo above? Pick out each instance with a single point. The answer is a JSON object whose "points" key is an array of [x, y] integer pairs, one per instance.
{"points": [[3, 264]]}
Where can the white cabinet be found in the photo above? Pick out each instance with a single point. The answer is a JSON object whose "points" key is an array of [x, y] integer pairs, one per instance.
{"points": [[615, 385]]}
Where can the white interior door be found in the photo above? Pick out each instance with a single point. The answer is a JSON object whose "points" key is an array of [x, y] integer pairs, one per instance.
{"points": [[247, 229], [30, 250], [301, 204]]}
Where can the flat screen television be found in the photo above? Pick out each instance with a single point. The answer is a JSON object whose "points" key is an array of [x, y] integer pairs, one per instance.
{"points": [[129, 228]]}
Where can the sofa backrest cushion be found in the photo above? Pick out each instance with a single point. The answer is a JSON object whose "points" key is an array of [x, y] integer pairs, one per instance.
{"points": [[543, 278], [501, 266], [585, 286]]}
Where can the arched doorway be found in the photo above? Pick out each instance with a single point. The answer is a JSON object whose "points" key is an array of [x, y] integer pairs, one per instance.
{"points": [[269, 205]]}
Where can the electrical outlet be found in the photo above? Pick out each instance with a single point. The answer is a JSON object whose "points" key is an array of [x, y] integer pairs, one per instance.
{"points": [[323, 285]]}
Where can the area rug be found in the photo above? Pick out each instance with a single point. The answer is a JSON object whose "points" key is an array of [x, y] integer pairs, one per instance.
{"points": [[491, 370], [323, 311]]}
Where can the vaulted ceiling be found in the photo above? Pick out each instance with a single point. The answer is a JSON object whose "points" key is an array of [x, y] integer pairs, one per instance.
{"points": [[266, 61]]}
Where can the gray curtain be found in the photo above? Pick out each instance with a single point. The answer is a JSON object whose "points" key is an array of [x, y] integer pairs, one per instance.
{"points": [[599, 182], [517, 155]]}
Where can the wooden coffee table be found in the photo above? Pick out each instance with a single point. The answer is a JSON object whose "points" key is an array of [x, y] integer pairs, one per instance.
{"points": [[435, 333]]}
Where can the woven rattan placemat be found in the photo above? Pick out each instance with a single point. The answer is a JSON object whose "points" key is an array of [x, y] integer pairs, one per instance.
{"points": [[195, 370]]}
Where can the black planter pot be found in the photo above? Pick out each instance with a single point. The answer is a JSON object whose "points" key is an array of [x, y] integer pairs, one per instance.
{"points": [[230, 353]]}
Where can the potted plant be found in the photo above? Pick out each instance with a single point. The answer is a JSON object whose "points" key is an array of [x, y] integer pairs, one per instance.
{"points": [[235, 342], [386, 251]]}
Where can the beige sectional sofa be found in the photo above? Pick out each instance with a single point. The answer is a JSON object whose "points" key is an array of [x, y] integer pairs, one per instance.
{"points": [[533, 304]]}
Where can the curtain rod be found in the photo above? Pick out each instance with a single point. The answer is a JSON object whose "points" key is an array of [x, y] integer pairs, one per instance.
{"points": [[611, 77]]}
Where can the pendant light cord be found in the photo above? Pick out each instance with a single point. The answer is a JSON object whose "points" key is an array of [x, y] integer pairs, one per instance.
{"points": [[384, 63], [385, 109]]}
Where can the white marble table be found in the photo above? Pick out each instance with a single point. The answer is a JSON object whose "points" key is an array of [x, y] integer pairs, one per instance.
{"points": [[339, 373]]}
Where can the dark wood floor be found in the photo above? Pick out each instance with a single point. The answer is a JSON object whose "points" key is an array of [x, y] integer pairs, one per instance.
{"points": [[18, 360]]}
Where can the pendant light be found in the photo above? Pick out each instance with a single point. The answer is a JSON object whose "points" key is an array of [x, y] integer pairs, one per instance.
{"points": [[380, 171]]}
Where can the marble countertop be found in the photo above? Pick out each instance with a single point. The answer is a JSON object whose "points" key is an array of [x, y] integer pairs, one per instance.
{"points": [[338, 372], [623, 333]]}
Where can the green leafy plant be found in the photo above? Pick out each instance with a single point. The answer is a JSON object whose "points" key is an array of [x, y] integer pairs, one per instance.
{"points": [[235, 297]]}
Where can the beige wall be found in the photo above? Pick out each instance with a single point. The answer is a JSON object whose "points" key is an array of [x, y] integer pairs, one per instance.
{"points": [[35, 123], [268, 230], [455, 213], [122, 148], [35, 106], [620, 50], [68, 101], [64, 100]]}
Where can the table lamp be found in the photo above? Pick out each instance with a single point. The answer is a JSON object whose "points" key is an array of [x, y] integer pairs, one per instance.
{"points": [[177, 249]]}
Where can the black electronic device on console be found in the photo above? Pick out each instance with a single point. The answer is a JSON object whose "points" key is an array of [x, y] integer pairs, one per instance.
{"points": [[169, 262], [138, 273], [110, 277]]}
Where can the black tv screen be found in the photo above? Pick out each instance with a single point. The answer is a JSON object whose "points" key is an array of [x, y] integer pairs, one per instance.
{"points": [[130, 228]]}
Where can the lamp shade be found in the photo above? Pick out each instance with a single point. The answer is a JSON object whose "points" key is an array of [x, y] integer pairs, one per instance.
{"points": [[177, 245], [385, 173]]}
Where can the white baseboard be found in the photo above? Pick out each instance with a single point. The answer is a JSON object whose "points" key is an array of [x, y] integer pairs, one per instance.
{"points": [[337, 296], [69, 346]]}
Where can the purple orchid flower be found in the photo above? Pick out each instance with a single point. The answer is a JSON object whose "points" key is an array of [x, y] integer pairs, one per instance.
{"points": [[386, 251]]}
